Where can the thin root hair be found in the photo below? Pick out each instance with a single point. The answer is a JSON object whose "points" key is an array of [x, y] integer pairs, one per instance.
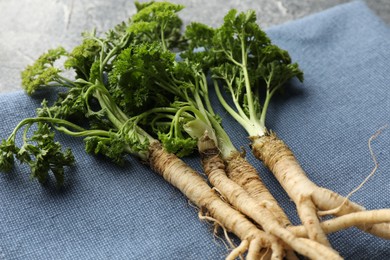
{"points": [[374, 159], [203, 216]]}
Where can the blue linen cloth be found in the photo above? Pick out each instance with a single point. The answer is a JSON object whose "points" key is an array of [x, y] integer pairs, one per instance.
{"points": [[111, 212]]}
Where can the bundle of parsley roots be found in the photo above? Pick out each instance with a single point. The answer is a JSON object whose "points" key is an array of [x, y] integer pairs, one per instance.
{"points": [[144, 89]]}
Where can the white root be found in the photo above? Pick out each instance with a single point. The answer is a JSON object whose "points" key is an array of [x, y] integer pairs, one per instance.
{"points": [[214, 168], [369, 217], [265, 254], [254, 250], [190, 183], [307, 212], [280, 160], [215, 221], [241, 249], [277, 251]]}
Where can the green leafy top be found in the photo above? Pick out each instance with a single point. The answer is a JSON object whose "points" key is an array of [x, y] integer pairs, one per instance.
{"points": [[133, 75], [39, 151], [191, 115], [114, 83], [197, 44], [82, 57], [251, 68], [160, 22], [129, 83], [43, 72]]}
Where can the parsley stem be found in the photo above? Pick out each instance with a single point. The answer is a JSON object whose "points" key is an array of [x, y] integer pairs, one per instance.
{"points": [[56, 121]]}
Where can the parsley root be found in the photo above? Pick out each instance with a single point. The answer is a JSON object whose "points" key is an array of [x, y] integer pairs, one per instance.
{"points": [[191, 184], [243, 173], [307, 196], [214, 168], [252, 70]]}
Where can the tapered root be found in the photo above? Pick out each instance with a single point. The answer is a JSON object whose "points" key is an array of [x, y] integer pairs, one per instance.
{"points": [[308, 197], [203, 216], [254, 250], [214, 168], [239, 170], [244, 174], [307, 212], [195, 188], [240, 250], [370, 217]]}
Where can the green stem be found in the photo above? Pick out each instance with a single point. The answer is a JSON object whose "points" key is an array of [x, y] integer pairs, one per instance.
{"points": [[224, 142], [164, 45], [106, 104], [229, 55], [252, 126], [206, 97], [199, 104], [56, 85], [143, 133], [83, 133], [183, 111], [174, 89], [158, 110], [197, 113], [106, 101], [56, 121], [112, 52], [252, 112], [235, 100], [223, 102], [26, 132], [265, 105], [65, 81]]}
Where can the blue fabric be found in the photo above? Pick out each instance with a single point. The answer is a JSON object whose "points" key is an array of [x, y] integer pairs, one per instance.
{"points": [[109, 212]]}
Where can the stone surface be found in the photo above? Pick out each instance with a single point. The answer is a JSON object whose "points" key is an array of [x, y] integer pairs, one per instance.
{"points": [[30, 27]]}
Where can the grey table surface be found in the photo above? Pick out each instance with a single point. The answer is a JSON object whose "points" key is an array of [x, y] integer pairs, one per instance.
{"points": [[30, 27]]}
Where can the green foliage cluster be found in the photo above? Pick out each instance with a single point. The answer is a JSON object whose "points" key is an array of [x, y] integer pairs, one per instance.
{"points": [[40, 152], [43, 72], [250, 67], [133, 77], [144, 81]]}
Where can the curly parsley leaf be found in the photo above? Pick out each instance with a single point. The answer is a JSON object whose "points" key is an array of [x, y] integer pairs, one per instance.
{"points": [[42, 72]]}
